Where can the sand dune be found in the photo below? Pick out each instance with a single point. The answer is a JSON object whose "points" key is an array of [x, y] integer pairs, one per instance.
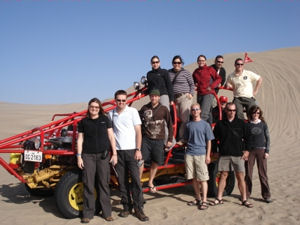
{"points": [[278, 97]]}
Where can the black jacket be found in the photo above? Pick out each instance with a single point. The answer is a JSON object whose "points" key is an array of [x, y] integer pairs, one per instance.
{"points": [[159, 79], [230, 136], [222, 73]]}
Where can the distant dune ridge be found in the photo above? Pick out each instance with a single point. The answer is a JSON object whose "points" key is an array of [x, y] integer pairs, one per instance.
{"points": [[278, 98]]}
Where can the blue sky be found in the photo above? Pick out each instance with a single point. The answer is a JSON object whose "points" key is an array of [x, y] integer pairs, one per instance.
{"points": [[66, 51]]}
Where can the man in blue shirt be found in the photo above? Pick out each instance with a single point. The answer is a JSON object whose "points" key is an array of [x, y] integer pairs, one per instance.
{"points": [[198, 136]]}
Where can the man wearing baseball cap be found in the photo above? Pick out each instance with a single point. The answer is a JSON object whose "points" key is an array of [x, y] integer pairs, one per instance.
{"points": [[153, 116]]}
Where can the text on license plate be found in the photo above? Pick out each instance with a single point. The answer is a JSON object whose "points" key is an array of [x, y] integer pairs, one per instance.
{"points": [[33, 156]]}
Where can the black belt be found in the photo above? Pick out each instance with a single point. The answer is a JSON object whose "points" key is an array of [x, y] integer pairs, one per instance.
{"points": [[179, 95]]}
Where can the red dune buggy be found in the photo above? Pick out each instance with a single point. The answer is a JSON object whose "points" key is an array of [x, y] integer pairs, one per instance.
{"points": [[44, 160]]}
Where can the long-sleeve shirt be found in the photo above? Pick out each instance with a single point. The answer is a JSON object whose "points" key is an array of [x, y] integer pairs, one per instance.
{"points": [[159, 79], [257, 136], [184, 82], [153, 121], [231, 136], [205, 77]]}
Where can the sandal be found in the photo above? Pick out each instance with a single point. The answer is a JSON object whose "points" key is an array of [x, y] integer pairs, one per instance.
{"points": [[152, 189], [247, 204], [203, 206], [194, 202], [217, 202]]}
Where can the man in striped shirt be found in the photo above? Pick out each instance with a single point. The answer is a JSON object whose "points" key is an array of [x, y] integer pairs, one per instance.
{"points": [[183, 88]]}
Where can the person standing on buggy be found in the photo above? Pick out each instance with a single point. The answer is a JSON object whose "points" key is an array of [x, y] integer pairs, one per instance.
{"points": [[95, 137], [218, 66], [206, 80], [158, 78], [183, 88], [245, 85], [258, 145]]}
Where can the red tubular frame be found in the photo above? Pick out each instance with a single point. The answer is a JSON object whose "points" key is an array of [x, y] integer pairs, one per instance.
{"points": [[53, 129]]}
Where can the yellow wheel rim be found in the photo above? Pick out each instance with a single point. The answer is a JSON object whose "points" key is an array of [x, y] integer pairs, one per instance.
{"points": [[76, 196]]}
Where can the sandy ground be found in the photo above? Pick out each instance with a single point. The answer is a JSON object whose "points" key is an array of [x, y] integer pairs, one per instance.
{"points": [[278, 97]]}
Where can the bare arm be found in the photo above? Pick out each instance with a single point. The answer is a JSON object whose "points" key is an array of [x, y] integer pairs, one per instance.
{"points": [[111, 137], [79, 150], [208, 150], [257, 86], [138, 133], [228, 85]]}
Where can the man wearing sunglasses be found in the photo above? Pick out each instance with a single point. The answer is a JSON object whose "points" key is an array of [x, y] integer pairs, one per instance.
{"points": [[127, 130], [218, 66], [245, 85], [230, 132], [198, 135]]}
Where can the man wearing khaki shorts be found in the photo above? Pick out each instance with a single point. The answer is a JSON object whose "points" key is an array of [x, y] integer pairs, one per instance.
{"points": [[198, 135], [230, 132]]}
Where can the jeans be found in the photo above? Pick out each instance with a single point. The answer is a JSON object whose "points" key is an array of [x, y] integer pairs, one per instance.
{"points": [[205, 102]]}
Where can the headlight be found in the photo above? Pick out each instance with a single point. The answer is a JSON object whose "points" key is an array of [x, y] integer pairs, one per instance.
{"points": [[37, 143], [143, 80], [136, 85]]}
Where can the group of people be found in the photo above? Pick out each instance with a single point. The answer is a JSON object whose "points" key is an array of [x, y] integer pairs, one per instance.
{"points": [[132, 137]]}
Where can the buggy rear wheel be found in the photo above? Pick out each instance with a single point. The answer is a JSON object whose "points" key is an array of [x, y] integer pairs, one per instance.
{"points": [[213, 182]]}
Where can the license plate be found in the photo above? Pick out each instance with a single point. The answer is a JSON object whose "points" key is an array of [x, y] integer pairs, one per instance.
{"points": [[33, 156]]}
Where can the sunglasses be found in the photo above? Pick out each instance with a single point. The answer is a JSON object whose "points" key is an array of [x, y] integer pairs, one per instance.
{"points": [[239, 64], [256, 113], [154, 62], [220, 62], [194, 110], [177, 63], [121, 100], [231, 110]]}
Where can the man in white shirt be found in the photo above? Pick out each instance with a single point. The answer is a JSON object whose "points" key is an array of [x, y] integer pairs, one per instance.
{"points": [[127, 130], [245, 85]]}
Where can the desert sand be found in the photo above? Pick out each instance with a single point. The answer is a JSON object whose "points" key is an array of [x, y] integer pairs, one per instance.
{"points": [[278, 97]]}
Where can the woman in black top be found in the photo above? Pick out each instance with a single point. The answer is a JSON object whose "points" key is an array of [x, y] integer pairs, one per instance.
{"points": [[95, 137], [158, 78], [258, 145]]}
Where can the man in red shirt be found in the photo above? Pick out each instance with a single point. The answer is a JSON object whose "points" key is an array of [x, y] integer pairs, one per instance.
{"points": [[206, 79]]}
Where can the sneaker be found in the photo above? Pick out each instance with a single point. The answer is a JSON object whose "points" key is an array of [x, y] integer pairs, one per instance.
{"points": [[140, 215]]}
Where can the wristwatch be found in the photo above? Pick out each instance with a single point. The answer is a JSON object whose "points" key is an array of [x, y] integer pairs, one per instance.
{"points": [[138, 149]]}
